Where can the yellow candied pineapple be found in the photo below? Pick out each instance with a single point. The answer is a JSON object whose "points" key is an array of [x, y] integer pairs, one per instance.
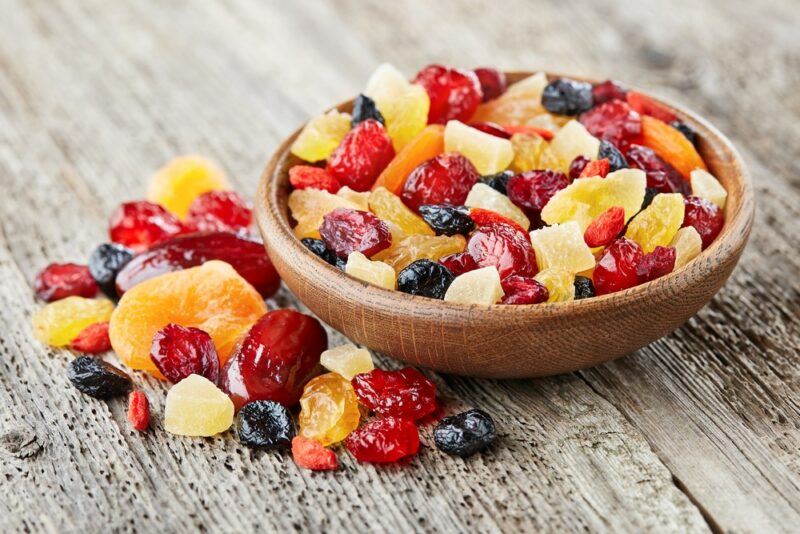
{"points": [[359, 198], [687, 244], [404, 105], [417, 247], [562, 246], [489, 154], [481, 286], [705, 185], [485, 197], [573, 140], [347, 360], [328, 409], [389, 207], [374, 272], [521, 103], [183, 179], [195, 406], [59, 322], [309, 206], [657, 224], [321, 135], [532, 152], [559, 284]]}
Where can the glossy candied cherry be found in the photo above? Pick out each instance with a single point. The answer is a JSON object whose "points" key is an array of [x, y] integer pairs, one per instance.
{"points": [[705, 216], [62, 280], [598, 167], [492, 128], [140, 224], [493, 82], [276, 358], [483, 217], [445, 179], [219, 211], [606, 227], [656, 264], [531, 190], [614, 121], [403, 393], [577, 166], [361, 156], [616, 268], [459, 263], [346, 230], [503, 247], [384, 440], [523, 290], [308, 177], [93, 339], [179, 351], [661, 176], [606, 91], [454, 93]]}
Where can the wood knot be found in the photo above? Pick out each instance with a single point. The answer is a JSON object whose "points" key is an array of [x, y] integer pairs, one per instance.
{"points": [[20, 442]]}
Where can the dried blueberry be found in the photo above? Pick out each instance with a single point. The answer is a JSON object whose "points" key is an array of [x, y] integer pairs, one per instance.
{"points": [[498, 181], [465, 434], [649, 194], [364, 108], [687, 131], [447, 220], [567, 97], [425, 277], [266, 424], [318, 247], [105, 263], [341, 264], [97, 378], [616, 160], [584, 288]]}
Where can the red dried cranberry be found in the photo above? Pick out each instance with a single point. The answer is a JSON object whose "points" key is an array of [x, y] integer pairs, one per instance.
{"points": [[705, 216], [531, 190], [138, 411], [404, 393], [384, 440], [482, 217], [661, 176], [523, 290], [614, 121], [445, 179], [62, 280], [93, 339], [459, 263], [310, 454], [276, 358], [361, 156], [616, 268], [179, 351], [606, 91], [492, 128], [599, 167], [605, 228], [219, 211], [647, 106], [345, 230], [454, 93], [656, 264], [577, 166], [504, 247], [308, 177], [140, 224], [493, 82], [245, 254]]}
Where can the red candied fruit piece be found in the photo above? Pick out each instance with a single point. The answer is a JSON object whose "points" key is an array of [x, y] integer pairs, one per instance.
{"points": [[661, 176], [616, 268], [705, 216], [606, 91], [523, 290], [179, 351], [483, 217], [404, 393], [361, 156], [345, 230], [454, 93], [308, 177], [503, 247], [138, 411], [459, 263], [384, 440], [140, 224], [577, 166], [310, 454], [598, 167], [445, 179], [605, 228], [531, 190], [492, 128], [492, 81], [544, 133], [614, 121], [219, 211], [647, 106], [62, 280], [276, 358], [92, 340], [656, 264]]}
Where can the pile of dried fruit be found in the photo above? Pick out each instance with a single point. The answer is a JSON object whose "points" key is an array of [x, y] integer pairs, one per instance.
{"points": [[184, 284], [431, 186]]}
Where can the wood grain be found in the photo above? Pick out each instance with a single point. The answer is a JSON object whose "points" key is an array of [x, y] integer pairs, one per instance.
{"points": [[697, 431]]}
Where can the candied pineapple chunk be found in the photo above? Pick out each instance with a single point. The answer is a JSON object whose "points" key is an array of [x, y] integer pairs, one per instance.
{"points": [[197, 407], [657, 224], [573, 140], [520, 104], [562, 246], [347, 360], [687, 244], [484, 197], [388, 207], [321, 135], [705, 185], [481, 286], [374, 272], [559, 284], [488, 153], [417, 247], [531, 152], [404, 105]]}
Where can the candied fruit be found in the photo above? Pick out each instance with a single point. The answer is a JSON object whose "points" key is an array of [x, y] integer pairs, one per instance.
{"points": [[488, 153], [138, 225], [687, 244], [59, 322], [404, 105], [321, 135], [608, 90], [138, 411], [364, 108], [388, 206], [345, 231], [520, 103], [531, 152], [445, 179], [577, 166], [417, 247], [373, 272], [645, 105], [705, 216], [347, 360], [484, 197], [671, 145], [614, 121], [425, 278], [426, 145], [454, 93], [93, 339], [567, 97], [659, 262], [309, 207], [605, 228], [661, 176], [265, 424], [523, 290], [657, 224], [480, 286], [445, 219], [308, 177], [616, 160], [179, 351], [459, 263], [105, 263], [504, 247], [705, 185], [561, 246], [97, 378], [195, 406], [219, 211], [616, 268], [599, 167], [384, 440], [328, 409], [309, 454], [362, 155], [559, 284], [402, 393], [532, 190], [359, 198], [465, 434], [482, 217], [493, 82], [571, 141], [183, 179], [61, 280]]}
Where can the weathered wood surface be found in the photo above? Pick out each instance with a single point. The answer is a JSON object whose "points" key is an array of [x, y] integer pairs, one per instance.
{"points": [[699, 431]]}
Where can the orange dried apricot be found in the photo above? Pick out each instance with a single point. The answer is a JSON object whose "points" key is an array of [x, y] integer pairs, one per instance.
{"points": [[671, 145], [428, 144]]}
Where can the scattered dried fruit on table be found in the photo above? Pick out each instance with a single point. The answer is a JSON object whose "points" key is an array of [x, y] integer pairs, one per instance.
{"points": [[559, 284], [93, 339], [105, 264], [561, 246], [465, 434], [705, 216], [657, 224], [445, 219], [347, 360], [384, 440], [328, 409], [195, 406], [374, 272], [183, 179], [425, 278], [362, 155], [138, 411], [309, 454], [219, 211], [445, 179], [97, 378], [454, 93], [265, 424], [481, 286], [523, 290], [403, 393], [61, 280], [141, 224], [616, 268], [59, 322], [179, 351], [687, 244], [488, 153], [705, 185], [321, 135]]}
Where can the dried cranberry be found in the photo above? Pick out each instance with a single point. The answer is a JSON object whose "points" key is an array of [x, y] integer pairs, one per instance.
{"points": [[140, 224], [504, 247], [616, 160], [179, 351], [656, 264], [616, 268], [705, 216], [645, 105], [454, 93], [614, 121], [483, 217], [219, 211], [577, 166], [523, 290], [308, 177], [92, 340], [447, 220], [97, 378], [531, 190], [584, 288], [309, 454], [361, 156], [661, 176], [384, 440], [445, 179], [276, 358], [567, 97], [138, 411], [245, 254], [492, 129], [598, 167], [364, 108], [403, 393], [606, 91], [459, 263], [605, 228], [62, 280], [345, 230], [493, 82]]}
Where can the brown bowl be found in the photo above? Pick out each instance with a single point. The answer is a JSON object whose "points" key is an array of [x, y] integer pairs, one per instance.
{"points": [[503, 341]]}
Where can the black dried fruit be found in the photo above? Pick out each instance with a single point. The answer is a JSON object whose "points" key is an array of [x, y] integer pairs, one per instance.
{"points": [[567, 97], [318, 247], [364, 108], [105, 263], [426, 278], [465, 434], [649, 194], [498, 181], [687, 131], [447, 220], [97, 378], [616, 160], [341, 264], [584, 288], [266, 424]]}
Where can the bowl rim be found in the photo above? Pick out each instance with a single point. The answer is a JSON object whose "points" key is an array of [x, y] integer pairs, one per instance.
{"points": [[728, 244]]}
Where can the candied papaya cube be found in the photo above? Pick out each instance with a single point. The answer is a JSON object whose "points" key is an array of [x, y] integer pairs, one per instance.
{"points": [[481, 286]]}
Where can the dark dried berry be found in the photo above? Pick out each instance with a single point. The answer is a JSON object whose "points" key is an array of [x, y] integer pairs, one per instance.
{"points": [[614, 121], [447, 220], [498, 181], [649, 194], [659, 262], [608, 90], [615, 158], [341, 264], [317, 246], [179, 351], [567, 97], [687, 131], [364, 108], [426, 278], [97, 378], [577, 166], [465, 434], [105, 263], [266, 424], [584, 288]]}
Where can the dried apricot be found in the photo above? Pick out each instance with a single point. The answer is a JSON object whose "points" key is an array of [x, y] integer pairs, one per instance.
{"points": [[428, 144], [671, 145]]}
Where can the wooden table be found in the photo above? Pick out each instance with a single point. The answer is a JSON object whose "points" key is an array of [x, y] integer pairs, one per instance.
{"points": [[699, 431]]}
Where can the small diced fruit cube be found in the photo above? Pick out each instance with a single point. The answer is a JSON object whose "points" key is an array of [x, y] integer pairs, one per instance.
{"points": [[560, 284], [704, 185], [484, 197], [347, 360], [388, 206], [374, 272], [360, 199], [488, 153], [415, 247], [178, 183], [520, 104], [481, 286], [687, 244], [562, 246], [657, 224], [197, 407], [573, 140], [403, 105], [321, 135], [59, 322]]}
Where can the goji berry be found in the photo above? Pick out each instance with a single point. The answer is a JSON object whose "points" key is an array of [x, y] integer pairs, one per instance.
{"points": [[139, 411], [605, 228], [308, 177], [599, 167], [93, 339]]}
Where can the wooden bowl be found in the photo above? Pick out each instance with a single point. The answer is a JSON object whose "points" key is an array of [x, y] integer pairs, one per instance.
{"points": [[503, 341]]}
